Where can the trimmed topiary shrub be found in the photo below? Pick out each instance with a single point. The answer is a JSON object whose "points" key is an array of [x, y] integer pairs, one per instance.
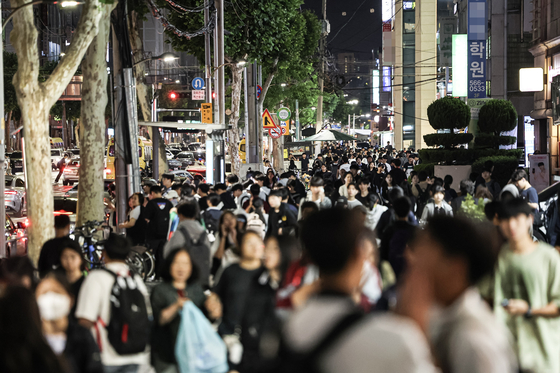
{"points": [[504, 166], [428, 167], [485, 140], [447, 140], [448, 113], [497, 116], [464, 156]]}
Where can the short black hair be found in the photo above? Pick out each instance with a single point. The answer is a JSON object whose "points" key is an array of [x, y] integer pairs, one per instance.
{"points": [[364, 181], [61, 221], [220, 186], [354, 166], [189, 209], [236, 187], [261, 178], [397, 162], [168, 176], [232, 179], [437, 189], [117, 247], [395, 194], [331, 252], [165, 269], [540, 164], [187, 190], [518, 175], [285, 192], [214, 199], [316, 181], [156, 189], [255, 190], [402, 207], [275, 193], [422, 176], [448, 180], [513, 207], [352, 184], [204, 188], [459, 237], [310, 205]]}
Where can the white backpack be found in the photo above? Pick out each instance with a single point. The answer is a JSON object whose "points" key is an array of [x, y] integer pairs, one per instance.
{"points": [[255, 224]]}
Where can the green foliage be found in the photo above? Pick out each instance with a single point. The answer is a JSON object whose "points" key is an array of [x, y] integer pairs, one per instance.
{"points": [[497, 116], [471, 210], [164, 100], [493, 141], [73, 109], [447, 140], [504, 166], [448, 113], [428, 167], [463, 156]]}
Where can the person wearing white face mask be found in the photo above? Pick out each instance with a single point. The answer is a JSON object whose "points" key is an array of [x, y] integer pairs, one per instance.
{"points": [[65, 336]]}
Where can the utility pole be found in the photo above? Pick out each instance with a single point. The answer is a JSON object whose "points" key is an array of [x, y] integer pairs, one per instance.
{"points": [[322, 46], [207, 53], [297, 120], [2, 150], [221, 62]]}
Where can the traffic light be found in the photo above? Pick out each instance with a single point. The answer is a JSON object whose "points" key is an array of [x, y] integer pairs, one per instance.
{"points": [[213, 95], [173, 95]]}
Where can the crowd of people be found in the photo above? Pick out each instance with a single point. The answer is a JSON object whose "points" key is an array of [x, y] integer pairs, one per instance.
{"points": [[368, 267]]}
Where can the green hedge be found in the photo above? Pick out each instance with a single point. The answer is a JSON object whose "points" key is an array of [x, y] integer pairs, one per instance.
{"points": [[447, 140], [497, 116], [464, 156], [448, 113], [428, 167], [504, 167], [493, 141]]}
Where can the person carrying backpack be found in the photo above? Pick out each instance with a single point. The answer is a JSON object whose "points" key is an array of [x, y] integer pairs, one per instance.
{"points": [[211, 216], [114, 303], [190, 234], [157, 216]]}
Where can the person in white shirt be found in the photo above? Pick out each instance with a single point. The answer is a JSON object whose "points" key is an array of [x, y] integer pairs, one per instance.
{"points": [[451, 256], [371, 344], [93, 309], [352, 193]]}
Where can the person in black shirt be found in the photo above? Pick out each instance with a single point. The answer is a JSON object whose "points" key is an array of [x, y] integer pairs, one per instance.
{"points": [[136, 224], [396, 172], [49, 258], [225, 196], [304, 163], [72, 262], [364, 195], [281, 220], [202, 191], [157, 217]]}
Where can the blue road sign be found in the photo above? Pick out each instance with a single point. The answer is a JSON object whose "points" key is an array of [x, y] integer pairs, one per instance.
{"points": [[259, 90], [198, 83]]}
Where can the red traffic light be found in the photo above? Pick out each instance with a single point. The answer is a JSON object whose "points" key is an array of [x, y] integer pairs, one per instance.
{"points": [[172, 95], [213, 95]]}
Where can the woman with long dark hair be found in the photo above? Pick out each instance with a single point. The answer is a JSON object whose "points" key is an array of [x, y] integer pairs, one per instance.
{"points": [[136, 224], [23, 348], [179, 275]]}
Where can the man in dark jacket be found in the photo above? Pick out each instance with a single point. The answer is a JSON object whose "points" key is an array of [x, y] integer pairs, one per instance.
{"points": [[225, 196], [396, 172], [61, 166], [157, 217], [304, 163], [396, 236], [281, 220]]}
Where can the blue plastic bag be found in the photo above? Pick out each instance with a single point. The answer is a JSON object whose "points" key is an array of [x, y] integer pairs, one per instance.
{"points": [[199, 349]]}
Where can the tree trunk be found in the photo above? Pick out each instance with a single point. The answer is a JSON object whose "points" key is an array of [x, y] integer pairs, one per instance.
{"points": [[35, 100], [92, 135], [233, 143], [142, 88]]}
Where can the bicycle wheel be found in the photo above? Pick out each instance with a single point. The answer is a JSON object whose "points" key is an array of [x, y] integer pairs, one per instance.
{"points": [[136, 263], [149, 265]]}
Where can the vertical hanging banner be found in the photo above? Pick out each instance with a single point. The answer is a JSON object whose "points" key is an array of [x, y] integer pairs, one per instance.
{"points": [[477, 49]]}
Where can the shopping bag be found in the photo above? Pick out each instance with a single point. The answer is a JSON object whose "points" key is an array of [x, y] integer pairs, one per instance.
{"points": [[199, 349]]}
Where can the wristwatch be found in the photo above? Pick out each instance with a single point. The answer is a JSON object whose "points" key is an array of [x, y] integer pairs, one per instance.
{"points": [[528, 314]]}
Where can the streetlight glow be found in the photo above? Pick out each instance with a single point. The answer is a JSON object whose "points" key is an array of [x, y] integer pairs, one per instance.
{"points": [[67, 4], [283, 85]]}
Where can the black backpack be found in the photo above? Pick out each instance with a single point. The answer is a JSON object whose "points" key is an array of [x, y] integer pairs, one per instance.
{"points": [[288, 361], [129, 328], [199, 252], [161, 224]]}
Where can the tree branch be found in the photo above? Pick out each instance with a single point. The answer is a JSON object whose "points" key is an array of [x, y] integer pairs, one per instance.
{"points": [[22, 37], [85, 32], [268, 82]]}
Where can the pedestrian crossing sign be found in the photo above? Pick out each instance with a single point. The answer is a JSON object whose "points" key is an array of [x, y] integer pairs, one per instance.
{"points": [[268, 122]]}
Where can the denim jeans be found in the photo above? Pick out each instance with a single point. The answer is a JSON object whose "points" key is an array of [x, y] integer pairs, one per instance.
{"points": [[129, 368]]}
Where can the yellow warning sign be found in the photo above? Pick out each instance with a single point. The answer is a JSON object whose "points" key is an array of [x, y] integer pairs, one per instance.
{"points": [[206, 110], [268, 122]]}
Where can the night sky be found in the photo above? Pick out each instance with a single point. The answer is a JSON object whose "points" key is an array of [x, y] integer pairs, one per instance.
{"points": [[361, 34]]}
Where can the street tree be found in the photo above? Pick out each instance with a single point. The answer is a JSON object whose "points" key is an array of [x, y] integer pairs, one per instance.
{"points": [[92, 124], [275, 33], [35, 100]]}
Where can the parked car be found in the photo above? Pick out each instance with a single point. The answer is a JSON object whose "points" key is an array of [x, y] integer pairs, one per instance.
{"points": [[174, 164], [16, 161], [74, 153], [169, 155], [182, 176], [14, 194], [16, 240], [56, 156], [73, 192], [71, 172], [174, 151], [186, 158]]}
